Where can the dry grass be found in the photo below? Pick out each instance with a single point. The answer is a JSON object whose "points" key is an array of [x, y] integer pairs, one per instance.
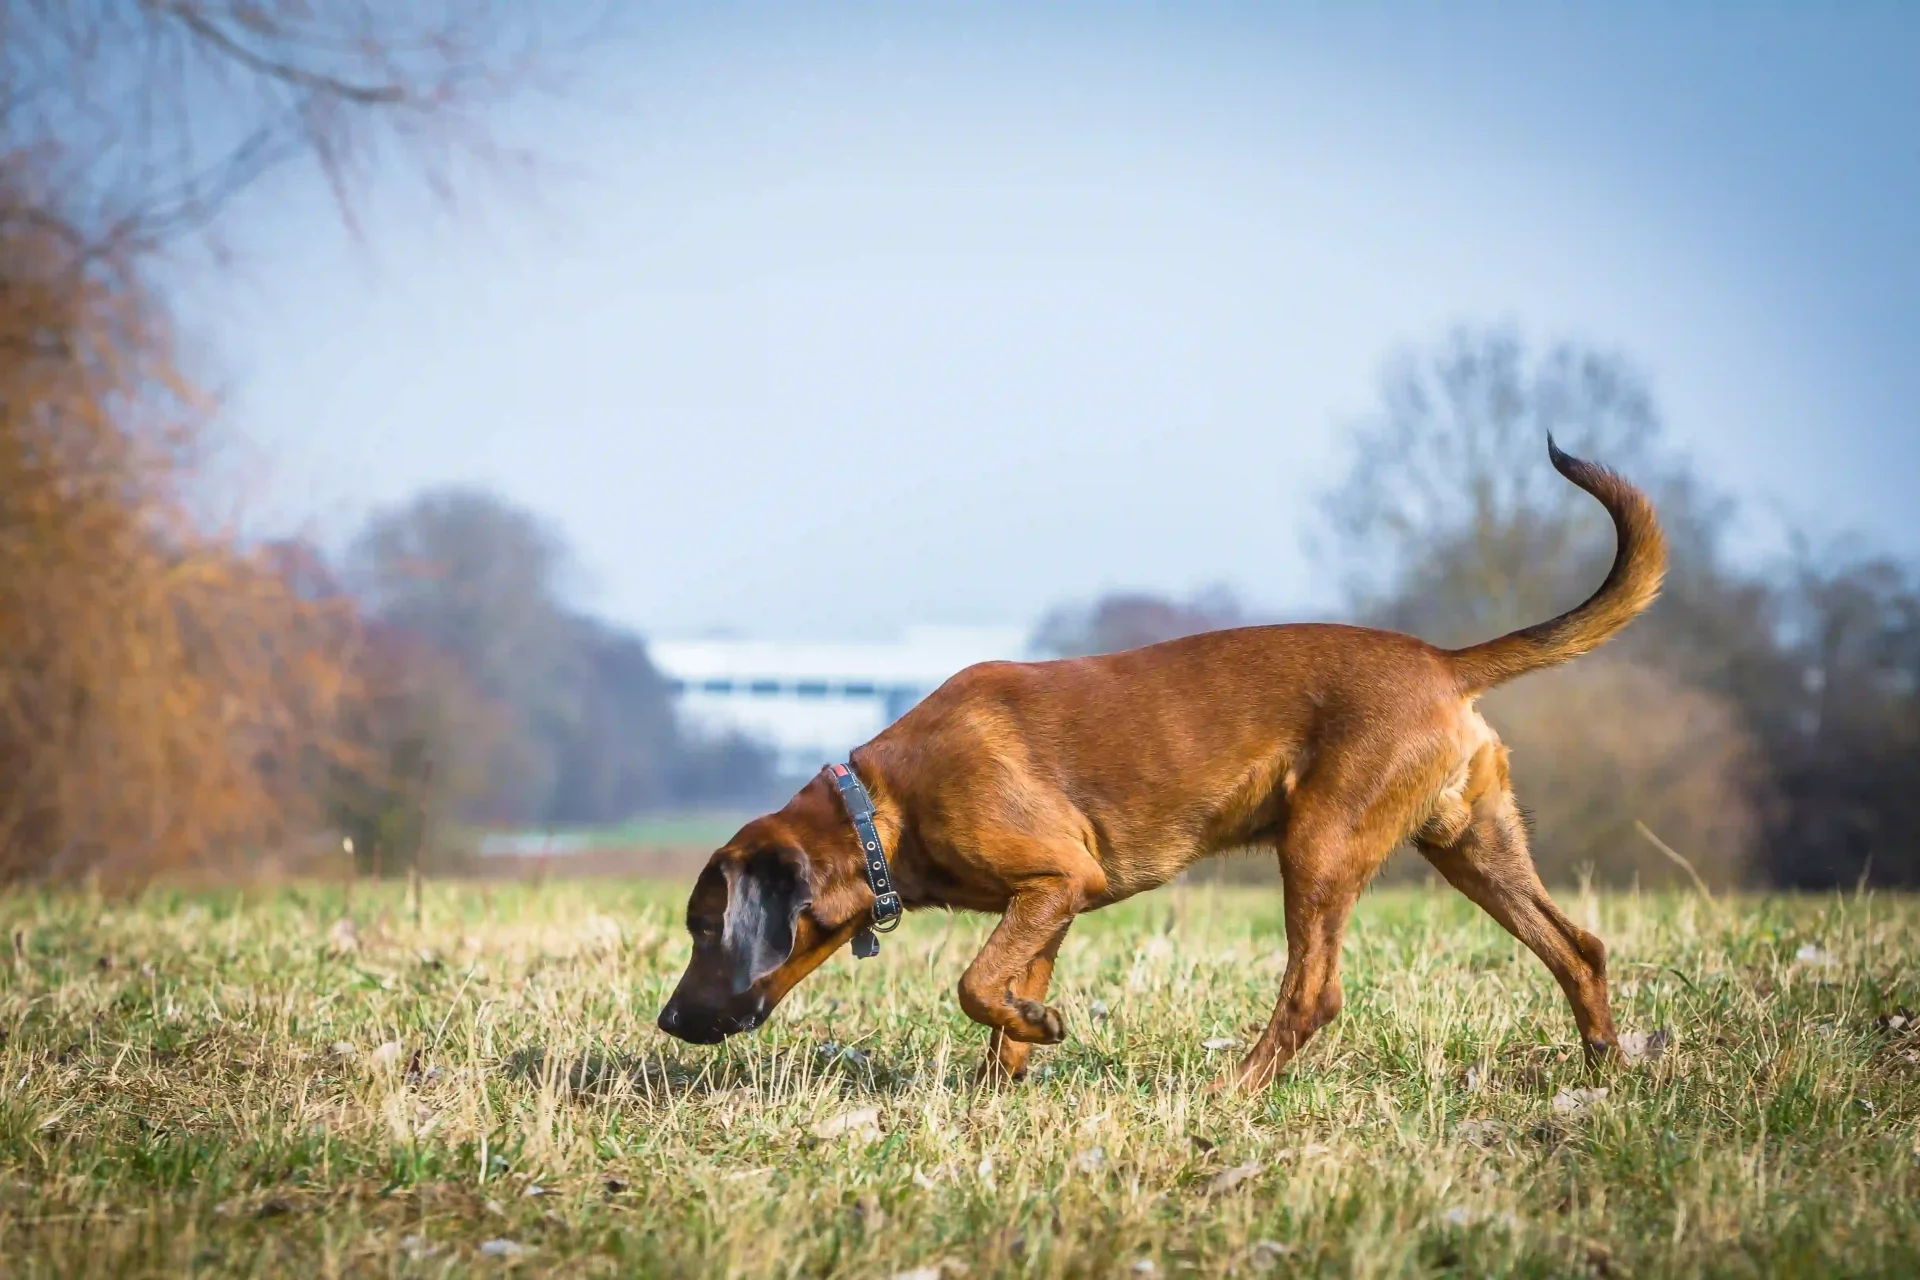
{"points": [[194, 1084]]}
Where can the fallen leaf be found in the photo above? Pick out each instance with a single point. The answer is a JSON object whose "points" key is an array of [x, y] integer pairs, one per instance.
{"points": [[344, 1049], [534, 1189], [986, 1170], [1200, 1144], [502, 1249], [1092, 1160], [1640, 1046], [1265, 1255], [1145, 1267], [387, 1055], [1219, 1042], [418, 1246], [1814, 956], [1475, 1080], [862, 1123], [1463, 1217], [1481, 1133], [833, 1052], [1307, 1152], [934, 1270], [344, 938], [1098, 1009], [1573, 1102], [1228, 1179]]}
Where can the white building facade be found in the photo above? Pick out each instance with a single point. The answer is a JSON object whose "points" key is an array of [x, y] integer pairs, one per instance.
{"points": [[815, 702]]}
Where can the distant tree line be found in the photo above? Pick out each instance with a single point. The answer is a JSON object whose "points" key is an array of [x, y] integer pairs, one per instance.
{"points": [[488, 700], [171, 694], [1762, 723]]}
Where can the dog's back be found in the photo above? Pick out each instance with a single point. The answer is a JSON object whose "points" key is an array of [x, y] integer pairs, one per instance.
{"points": [[1162, 755], [1158, 756]]}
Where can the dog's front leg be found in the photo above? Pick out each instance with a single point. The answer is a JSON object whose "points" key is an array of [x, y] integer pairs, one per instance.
{"points": [[1005, 986], [1007, 1057]]}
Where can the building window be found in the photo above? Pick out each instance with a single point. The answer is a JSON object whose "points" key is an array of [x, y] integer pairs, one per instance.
{"points": [[900, 700], [811, 689], [718, 686], [764, 688], [857, 689]]}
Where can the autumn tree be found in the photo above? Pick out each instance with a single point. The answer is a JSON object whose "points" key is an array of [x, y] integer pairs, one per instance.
{"points": [[168, 694], [1128, 619], [1453, 526]]}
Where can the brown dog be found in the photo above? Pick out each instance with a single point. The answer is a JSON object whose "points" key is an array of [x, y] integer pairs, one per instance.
{"points": [[1041, 790]]}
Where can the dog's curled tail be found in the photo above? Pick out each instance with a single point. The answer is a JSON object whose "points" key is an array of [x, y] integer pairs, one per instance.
{"points": [[1639, 565]]}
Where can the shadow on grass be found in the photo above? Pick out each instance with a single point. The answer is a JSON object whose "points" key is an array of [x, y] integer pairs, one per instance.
{"points": [[657, 1074]]}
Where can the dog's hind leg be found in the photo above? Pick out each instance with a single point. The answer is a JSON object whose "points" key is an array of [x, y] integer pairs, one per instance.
{"points": [[1488, 861], [1310, 994], [1324, 866]]}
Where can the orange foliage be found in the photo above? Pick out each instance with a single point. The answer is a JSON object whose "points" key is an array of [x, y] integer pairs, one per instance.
{"points": [[167, 696]]}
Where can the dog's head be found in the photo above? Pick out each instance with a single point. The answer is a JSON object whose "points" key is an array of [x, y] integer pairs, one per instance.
{"points": [[772, 905]]}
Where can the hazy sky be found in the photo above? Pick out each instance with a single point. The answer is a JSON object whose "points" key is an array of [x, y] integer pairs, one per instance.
{"points": [[1008, 307]]}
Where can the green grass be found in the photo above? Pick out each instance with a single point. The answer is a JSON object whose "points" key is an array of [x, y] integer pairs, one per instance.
{"points": [[698, 830], [668, 831], [172, 1100]]}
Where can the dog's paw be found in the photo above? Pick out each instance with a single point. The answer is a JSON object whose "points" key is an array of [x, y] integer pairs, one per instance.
{"points": [[1043, 1020], [1251, 1075], [994, 1073]]}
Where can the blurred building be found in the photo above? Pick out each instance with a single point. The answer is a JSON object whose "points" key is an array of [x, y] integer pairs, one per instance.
{"points": [[814, 702]]}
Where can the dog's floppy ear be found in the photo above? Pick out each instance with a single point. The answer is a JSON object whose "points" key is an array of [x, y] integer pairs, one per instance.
{"points": [[768, 893]]}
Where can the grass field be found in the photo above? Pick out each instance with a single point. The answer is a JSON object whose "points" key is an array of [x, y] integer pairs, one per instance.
{"points": [[199, 1085]]}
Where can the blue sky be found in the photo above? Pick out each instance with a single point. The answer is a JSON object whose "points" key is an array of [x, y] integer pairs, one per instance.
{"points": [[1006, 307]]}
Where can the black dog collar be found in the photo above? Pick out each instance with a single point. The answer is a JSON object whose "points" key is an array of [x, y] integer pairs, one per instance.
{"points": [[886, 903]]}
